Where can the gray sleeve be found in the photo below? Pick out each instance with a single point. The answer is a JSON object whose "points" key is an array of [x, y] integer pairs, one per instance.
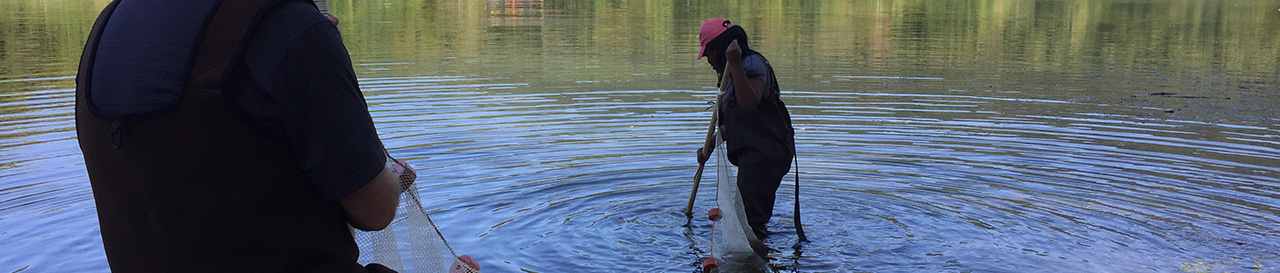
{"points": [[757, 67]]}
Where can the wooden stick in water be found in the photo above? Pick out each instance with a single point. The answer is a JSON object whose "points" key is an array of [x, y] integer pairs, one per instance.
{"points": [[707, 146]]}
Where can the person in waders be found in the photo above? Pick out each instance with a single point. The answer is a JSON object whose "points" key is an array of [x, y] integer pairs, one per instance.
{"points": [[756, 126], [229, 136]]}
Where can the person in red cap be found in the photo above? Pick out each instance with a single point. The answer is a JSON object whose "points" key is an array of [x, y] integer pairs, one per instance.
{"points": [[756, 125]]}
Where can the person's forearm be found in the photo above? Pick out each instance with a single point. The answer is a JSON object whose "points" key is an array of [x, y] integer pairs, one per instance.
{"points": [[373, 206], [744, 92]]}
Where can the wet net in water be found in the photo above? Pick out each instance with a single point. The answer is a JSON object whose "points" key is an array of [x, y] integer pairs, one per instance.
{"points": [[731, 236]]}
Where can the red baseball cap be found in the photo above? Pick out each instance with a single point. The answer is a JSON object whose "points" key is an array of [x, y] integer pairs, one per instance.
{"points": [[711, 29]]}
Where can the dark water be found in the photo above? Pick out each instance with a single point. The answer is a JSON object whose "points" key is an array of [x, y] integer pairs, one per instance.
{"points": [[934, 136]]}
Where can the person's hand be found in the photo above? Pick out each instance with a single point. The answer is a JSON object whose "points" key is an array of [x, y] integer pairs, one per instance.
{"points": [[459, 268], [407, 175], [334, 19], [733, 53], [703, 156]]}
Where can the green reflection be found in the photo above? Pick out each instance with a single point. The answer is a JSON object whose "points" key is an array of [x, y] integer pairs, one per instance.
{"points": [[1077, 50]]}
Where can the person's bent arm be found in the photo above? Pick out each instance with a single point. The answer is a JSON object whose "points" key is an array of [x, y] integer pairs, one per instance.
{"points": [[748, 90], [373, 206], [323, 116]]}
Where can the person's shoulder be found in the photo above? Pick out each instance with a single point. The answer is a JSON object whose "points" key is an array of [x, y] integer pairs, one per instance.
{"points": [[756, 62], [287, 24], [291, 17], [756, 65]]}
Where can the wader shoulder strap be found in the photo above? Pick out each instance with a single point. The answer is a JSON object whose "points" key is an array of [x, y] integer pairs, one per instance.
{"points": [[223, 40], [91, 46]]}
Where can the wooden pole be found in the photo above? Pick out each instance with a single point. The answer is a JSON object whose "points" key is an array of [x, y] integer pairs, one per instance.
{"points": [[710, 142]]}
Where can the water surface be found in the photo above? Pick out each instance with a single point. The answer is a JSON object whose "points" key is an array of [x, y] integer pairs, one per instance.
{"points": [[933, 136]]}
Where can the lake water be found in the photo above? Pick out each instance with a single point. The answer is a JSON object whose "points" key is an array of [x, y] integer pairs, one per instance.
{"points": [[933, 136]]}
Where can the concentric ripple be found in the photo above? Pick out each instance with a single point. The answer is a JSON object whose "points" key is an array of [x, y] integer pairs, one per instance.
{"points": [[575, 181]]}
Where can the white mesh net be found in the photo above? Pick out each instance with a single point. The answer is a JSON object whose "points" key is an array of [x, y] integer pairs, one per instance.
{"points": [[411, 243], [731, 236]]}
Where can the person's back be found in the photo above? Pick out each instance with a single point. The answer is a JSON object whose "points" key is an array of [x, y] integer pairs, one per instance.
{"points": [[191, 171]]}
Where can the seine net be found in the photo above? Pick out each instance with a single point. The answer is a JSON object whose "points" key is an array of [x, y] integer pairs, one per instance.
{"points": [[731, 236], [411, 243]]}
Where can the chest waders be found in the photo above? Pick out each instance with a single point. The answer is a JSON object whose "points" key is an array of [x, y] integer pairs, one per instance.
{"points": [[184, 185]]}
